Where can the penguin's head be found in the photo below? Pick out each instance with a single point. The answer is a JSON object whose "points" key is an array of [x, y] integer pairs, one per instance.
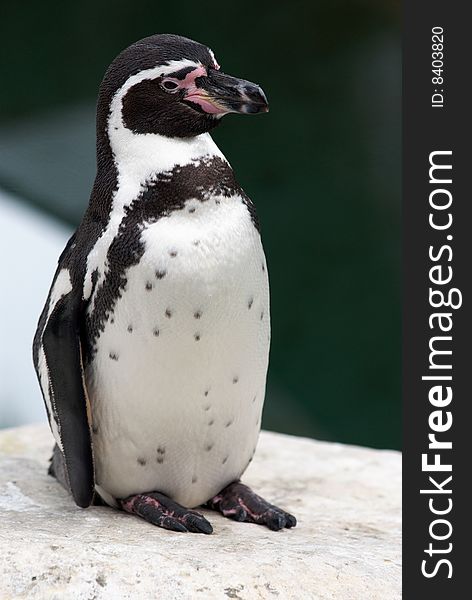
{"points": [[172, 86]]}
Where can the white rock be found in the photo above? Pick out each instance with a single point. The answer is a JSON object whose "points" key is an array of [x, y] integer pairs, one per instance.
{"points": [[346, 545]]}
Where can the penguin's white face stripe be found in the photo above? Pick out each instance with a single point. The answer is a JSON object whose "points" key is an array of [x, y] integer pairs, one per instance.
{"points": [[62, 286], [115, 122], [215, 62]]}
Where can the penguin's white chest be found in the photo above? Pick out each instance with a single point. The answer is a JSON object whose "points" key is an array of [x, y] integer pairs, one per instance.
{"points": [[178, 379]]}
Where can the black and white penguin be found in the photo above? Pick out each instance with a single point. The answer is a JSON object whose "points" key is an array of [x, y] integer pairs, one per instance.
{"points": [[152, 348]]}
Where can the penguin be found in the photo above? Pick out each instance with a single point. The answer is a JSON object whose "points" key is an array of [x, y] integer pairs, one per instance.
{"points": [[152, 348]]}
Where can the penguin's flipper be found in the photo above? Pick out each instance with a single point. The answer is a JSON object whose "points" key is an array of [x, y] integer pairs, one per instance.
{"points": [[58, 362]]}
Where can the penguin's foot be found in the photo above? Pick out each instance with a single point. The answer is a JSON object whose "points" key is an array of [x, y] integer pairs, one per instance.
{"points": [[238, 502], [160, 510]]}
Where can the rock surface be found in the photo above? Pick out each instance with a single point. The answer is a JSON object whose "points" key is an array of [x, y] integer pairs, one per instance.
{"points": [[346, 545]]}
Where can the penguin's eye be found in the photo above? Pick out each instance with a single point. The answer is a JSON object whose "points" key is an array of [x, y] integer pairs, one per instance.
{"points": [[169, 85]]}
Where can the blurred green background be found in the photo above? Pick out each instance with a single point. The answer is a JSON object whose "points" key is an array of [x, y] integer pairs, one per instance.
{"points": [[323, 168]]}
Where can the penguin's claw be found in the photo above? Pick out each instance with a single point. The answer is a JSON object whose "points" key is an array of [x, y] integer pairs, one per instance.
{"points": [[238, 502], [158, 509], [197, 523]]}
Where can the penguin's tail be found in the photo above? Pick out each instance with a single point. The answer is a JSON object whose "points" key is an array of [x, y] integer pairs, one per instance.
{"points": [[57, 468]]}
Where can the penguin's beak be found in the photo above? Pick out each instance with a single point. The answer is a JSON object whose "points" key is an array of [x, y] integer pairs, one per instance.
{"points": [[219, 94]]}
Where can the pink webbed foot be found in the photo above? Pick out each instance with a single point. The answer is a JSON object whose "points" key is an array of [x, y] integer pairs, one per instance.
{"points": [[238, 502], [160, 510]]}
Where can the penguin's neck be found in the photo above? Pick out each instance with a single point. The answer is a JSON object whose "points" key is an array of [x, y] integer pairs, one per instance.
{"points": [[142, 155], [140, 158]]}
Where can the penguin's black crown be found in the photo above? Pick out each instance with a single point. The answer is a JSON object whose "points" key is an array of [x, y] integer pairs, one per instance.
{"points": [[170, 85]]}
